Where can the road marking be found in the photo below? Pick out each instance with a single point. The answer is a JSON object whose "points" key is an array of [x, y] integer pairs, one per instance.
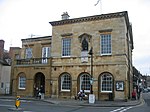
{"points": [[6, 100], [25, 101], [9, 100], [28, 111], [117, 109], [142, 103], [126, 109], [7, 106], [122, 109]]}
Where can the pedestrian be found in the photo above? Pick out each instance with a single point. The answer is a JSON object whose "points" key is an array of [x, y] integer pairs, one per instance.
{"points": [[139, 93], [42, 89], [134, 93], [37, 92], [80, 95], [83, 93], [42, 92]]}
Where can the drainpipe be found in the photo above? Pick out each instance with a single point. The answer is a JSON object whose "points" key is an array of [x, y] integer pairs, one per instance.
{"points": [[128, 57]]}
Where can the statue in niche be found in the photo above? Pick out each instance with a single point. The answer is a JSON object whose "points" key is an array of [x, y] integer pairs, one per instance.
{"points": [[84, 45]]}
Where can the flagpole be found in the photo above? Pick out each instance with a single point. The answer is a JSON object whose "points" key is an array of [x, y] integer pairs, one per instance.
{"points": [[101, 6], [99, 1]]}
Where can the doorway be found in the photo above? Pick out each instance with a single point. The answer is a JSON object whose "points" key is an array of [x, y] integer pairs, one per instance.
{"points": [[39, 80]]}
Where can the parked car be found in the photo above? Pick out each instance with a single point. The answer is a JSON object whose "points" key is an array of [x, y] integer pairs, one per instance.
{"points": [[145, 90], [148, 89]]}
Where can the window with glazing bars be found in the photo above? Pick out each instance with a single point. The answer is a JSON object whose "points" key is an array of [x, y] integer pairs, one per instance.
{"points": [[105, 44], [22, 82], [85, 82], [45, 54], [66, 47], [65, 82], [106, 83], [28, 53]]}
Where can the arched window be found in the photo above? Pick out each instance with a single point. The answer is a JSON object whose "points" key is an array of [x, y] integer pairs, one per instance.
{"points": [[22, 81], [85, 82], [65, 82], [106, 82], [84, 45]]}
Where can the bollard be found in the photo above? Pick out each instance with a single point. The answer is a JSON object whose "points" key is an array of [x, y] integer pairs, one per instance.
{"points": [[17, 103]]}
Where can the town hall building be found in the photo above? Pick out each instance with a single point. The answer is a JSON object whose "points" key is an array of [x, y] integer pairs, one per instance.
{"points": [[92, 53]]}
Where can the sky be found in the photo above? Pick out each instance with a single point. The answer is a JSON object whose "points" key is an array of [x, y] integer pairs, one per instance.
{"points": [[21, 18]]}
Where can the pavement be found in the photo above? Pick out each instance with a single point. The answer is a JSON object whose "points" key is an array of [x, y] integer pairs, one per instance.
{"points": [[73, 102]]}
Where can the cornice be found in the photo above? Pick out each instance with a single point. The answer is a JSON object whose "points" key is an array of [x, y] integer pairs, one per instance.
{"points": [[89, 18], [66, 34], [37, 38]]}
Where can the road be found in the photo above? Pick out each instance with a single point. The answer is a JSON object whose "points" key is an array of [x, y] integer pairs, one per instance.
{"points": [[7, 105], [145, 107]]}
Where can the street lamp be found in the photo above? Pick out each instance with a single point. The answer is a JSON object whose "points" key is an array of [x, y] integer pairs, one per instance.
{"points": [[91, 81]]}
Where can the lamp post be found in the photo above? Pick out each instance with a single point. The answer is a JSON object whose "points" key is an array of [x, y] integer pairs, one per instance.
{"points": [[91, 81]]}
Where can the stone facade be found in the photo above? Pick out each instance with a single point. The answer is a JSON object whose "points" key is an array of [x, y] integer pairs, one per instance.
{"points": [[71, 68], [35, 70], [118, 64]]}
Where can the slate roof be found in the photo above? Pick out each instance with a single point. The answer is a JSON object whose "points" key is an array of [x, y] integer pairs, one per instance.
{"points": [[3, 62]]}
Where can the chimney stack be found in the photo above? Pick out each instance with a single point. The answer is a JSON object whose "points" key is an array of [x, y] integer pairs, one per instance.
{"points": [[65, 16], [1, 48]]}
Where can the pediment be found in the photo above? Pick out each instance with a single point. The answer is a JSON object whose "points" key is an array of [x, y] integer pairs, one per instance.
{"points": [[85, 36]]}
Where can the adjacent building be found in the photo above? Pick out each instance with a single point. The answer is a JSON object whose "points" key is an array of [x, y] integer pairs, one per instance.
{"points": [[93, 53], [31, 67], [5, 70]]}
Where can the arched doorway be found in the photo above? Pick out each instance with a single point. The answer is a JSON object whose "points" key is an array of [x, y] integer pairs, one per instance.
{"points": [[39, 80]]}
